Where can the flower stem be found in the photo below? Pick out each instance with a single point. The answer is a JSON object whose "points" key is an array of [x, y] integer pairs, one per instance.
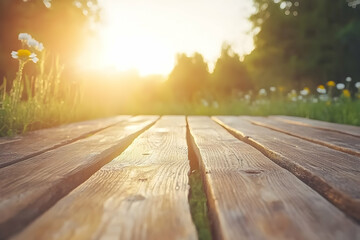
{"points": [[16, 90]]}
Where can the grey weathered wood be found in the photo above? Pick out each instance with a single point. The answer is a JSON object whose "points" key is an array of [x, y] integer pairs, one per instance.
{"points": [[25, 146], [336, 127], [334, 174], [142, 194], [30, 187], [338, 141], [251, 197]]}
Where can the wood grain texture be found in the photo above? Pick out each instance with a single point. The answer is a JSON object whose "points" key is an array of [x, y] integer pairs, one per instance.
{"points": [[29, 188], [251, 197], [336, 127], [338, 141], [142, 194], [333, 174], [18, 148]]}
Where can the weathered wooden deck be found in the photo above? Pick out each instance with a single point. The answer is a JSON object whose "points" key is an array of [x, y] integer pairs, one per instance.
{"points": [[128, 178]]}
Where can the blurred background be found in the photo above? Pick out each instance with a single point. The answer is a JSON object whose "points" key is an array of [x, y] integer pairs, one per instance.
{"points": [[107, 57]]}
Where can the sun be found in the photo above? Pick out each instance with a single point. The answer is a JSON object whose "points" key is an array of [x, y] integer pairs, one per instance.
{"points": [[147, 35], [140, 50], [122, 49]]}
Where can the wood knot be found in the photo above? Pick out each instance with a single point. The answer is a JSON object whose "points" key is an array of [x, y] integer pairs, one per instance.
{"points": [[253, 171], [135, 198]]}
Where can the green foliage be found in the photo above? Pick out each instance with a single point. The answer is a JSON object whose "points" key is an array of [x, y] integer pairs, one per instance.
{"points": [[230, 74], [343, 110], [189, 77], [198, 206], [304, 42], [38, 102], [298, 43]]}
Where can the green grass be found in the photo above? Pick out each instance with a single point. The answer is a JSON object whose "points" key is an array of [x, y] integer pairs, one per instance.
{"points": [[46, 100], [198, 206], [346, 112], [33, 114]]}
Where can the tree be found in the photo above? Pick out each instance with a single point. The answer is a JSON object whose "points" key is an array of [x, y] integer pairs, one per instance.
{"points": [[230, 74], [189, 77], [302, 42]]}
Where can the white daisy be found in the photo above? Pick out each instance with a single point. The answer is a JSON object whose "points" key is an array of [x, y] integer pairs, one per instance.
{"points": [[340, 86], [262, 92], [24, 55]]}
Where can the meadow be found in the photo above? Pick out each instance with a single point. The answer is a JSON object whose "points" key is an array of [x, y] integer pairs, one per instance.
{"points": [[293, 69], [47, 100]]}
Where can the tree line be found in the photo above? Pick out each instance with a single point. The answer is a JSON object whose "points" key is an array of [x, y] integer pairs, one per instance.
{"points": [[298, 43], [304, 42]]}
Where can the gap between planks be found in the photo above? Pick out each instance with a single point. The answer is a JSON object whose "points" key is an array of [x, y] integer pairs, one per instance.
{"points": [[333, 174], [327, 126], [251, 197], [141, 194], [335, 140], [138, 198]]}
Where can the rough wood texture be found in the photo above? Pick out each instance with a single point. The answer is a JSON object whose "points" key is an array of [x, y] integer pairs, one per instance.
{"points": [[338, 141], [333, 174], [29, 188], [251, 197], [342, 128], [18, 148], [142, 194]]}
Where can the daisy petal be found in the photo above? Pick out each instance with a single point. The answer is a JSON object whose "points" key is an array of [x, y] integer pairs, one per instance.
{"points": [[14, 54], [32, 43], [35, 59], [40, 47]]}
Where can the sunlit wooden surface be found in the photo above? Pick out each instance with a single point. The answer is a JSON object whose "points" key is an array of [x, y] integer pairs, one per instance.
{"points": [[126, 177]]}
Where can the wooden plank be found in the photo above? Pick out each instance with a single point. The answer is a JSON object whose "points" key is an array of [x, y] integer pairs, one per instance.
{"points": [[29, 188], [336, 127], [19, 148], [338, 141], [251, 197], [142, 194], [333, 174]]}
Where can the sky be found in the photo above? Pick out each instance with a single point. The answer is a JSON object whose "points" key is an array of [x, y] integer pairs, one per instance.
{"points": [[146, 35]]}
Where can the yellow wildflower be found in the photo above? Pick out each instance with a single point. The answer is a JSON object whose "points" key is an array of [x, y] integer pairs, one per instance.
{"points": [[346, 93], [330, 84]]}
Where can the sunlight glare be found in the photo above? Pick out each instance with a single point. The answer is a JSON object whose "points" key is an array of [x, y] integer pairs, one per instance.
{"points": [[146, 36], [140, 50]]}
